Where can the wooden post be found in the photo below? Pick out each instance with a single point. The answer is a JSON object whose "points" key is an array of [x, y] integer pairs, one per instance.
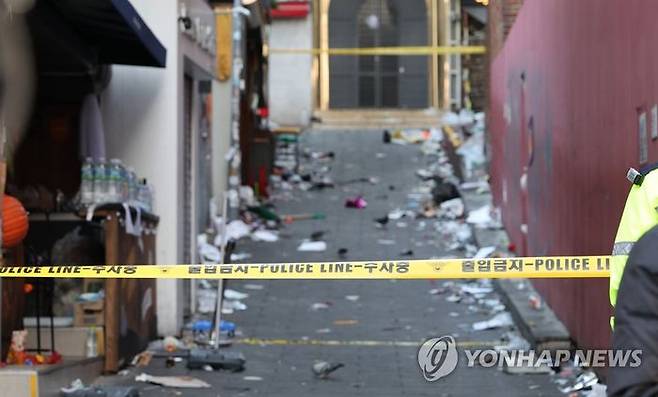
{"points": [[112, 299], [324, 56]]}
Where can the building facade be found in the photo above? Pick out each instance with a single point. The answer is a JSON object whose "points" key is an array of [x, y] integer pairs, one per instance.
{"points": [[572, 107], [308, 32], [159, 121]]}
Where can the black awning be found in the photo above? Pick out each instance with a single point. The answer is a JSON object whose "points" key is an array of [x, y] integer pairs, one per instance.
{"points": [[115, 30], [73, 40], [75, 35]]}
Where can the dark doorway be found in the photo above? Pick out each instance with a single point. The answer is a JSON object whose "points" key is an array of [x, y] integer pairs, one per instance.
{"points": [[378, 81], [378, 75]]}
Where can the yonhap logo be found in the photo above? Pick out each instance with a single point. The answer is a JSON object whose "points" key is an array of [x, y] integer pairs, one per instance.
{"points": [[437, 357]]}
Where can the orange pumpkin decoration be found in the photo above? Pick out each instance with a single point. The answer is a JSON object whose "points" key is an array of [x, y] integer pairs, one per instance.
{"points": [[14, 222]]}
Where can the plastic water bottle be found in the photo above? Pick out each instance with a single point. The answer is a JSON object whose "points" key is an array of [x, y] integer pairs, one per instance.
{"points": [[125, 188], [132, 185], [87, 182], [114, 187], [100, 182], [143, 195]]}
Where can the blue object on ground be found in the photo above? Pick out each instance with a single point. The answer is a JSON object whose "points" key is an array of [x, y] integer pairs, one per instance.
{"points": [[206, 326], [226, 326]]}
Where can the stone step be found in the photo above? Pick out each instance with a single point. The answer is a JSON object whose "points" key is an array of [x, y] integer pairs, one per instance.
{"points": [[47, 380], [377, 118]]}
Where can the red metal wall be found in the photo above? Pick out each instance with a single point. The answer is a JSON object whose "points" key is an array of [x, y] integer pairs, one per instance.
{"points": [[565, 94]]}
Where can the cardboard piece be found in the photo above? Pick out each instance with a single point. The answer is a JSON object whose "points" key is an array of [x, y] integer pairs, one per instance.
{"points": [[173, 381]]}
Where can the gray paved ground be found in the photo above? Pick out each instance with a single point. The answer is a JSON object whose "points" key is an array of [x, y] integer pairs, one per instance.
{"points": [[387, 311]]}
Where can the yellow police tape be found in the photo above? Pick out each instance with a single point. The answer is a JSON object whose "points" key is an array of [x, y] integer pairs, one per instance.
{"points": [[530, 267], [370, 51]]}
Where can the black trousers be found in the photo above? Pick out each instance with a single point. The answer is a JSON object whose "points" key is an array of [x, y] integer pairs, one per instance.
{"points": [[636, 321]]}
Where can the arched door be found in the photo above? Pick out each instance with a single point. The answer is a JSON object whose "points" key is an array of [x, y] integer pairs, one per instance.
{"points": [[378, 81], [377, 76]]}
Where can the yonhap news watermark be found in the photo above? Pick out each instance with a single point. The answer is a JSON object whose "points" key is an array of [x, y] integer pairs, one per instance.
{"points": [[439, 357]]}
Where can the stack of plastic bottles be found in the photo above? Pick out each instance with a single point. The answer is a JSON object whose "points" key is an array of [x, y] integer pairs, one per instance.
{"points": [[103, 182]]}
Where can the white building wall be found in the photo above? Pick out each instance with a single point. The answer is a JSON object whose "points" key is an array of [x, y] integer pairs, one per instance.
{"points": [[290, 84], [143, 117], [221, 131]]}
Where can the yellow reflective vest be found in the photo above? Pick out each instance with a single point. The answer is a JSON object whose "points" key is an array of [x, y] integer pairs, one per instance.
{"points": [[640, 214]]}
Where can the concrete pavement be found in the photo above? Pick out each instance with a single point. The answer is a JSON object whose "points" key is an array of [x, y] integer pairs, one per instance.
{"points": [[386, 311], [375, 335]]}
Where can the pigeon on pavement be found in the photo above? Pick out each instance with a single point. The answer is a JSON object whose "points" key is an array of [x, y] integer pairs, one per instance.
{"points": [[322, 369], [381, 222]]}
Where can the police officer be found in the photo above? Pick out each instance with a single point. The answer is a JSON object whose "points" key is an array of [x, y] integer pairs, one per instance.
{"points": [[640, 214], [636, 322]]}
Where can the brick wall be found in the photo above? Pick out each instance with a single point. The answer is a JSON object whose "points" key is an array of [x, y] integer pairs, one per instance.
{"points": [[502, 14]]}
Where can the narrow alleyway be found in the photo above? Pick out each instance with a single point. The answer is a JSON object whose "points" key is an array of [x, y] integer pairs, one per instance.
{"points": [[283, 335], [374, 327], [151, 152]]}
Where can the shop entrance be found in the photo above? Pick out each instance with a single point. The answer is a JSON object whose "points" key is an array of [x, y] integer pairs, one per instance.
{"points": [[390, 81]]}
